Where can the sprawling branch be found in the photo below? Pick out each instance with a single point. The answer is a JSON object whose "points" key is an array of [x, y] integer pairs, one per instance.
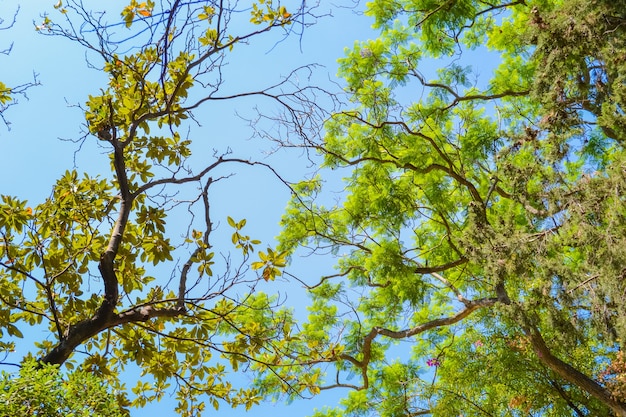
{"points": [[449, 168], [366, 349]]}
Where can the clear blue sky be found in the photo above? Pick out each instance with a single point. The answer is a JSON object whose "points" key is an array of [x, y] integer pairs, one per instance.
{"points": [[35, 150]]}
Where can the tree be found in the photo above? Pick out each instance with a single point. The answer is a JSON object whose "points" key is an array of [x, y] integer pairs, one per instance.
{"points": [[97, 265], [479, 239], [42, 391]]}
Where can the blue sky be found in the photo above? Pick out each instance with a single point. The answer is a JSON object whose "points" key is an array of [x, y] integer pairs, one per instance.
{"points": [[38, 148]]}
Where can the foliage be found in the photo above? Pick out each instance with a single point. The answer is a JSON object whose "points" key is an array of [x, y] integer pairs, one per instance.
{"points": [[120, 270], [44, 391], [479, 234], [480, 240]]}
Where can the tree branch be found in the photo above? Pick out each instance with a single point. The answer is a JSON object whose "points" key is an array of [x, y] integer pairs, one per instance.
{"points": [[366, 350], [571, 374]]}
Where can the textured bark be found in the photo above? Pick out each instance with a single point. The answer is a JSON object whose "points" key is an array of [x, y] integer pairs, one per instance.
{"points": [[573, 375], [104, 315]]}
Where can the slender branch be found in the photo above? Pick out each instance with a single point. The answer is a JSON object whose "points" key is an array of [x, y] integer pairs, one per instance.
{"points": [[182, 285], [326, 277], [588, 280], [566, 397], [450, 286], [440, 268], [26, 274], [183, 79]]}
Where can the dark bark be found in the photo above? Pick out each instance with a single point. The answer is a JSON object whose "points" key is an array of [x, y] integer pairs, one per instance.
{"points": [[104, 315], [561, 368], [573, 375]]}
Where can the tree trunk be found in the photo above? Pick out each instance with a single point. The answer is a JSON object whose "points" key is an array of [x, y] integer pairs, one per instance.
{"points": [[573, 375]]}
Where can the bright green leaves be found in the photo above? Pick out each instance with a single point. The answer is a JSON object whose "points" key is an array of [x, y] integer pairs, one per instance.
{"points": [[209, 38], [322, 318], [79, 206], [44, 390], [135, 98], [271, 263], [486, 180], [182, 352], [212, 37], [48, 251], [45, 24], [139, 99], [98, 116], [147, 234], [480, 136], [59, 6], [371, 67], [143, 9], [108, 266], [177, 86], [156, 250], [207, 13], [441, 23], [13, 331], [508, 36]]}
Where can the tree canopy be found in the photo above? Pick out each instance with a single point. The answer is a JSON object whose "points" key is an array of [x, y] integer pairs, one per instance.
{"points": [[470, 196], [42, 391], [479, 235], [120, 271]]}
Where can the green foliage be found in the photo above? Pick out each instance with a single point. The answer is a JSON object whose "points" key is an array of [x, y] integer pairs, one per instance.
{"points": [[479, 237], [481, 230], [42, 390], [99, 264]]}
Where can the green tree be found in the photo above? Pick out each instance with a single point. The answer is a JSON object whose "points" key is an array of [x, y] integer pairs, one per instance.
{"points": [[480, 238], [43, 391], [97, 266]]}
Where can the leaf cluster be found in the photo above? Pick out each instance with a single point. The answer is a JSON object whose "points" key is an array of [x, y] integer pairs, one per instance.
{"points": [[42, 390]]}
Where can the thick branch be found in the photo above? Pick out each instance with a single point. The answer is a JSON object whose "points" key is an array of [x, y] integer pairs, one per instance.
{"points": [[573, 375], [103, 317], [90, 327]]}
